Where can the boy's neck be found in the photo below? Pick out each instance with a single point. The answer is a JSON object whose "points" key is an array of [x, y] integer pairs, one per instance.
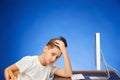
{"points": [[42, 60]]}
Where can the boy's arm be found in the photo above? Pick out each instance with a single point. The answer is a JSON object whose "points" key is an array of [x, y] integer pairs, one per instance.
{"points": [[67, 71], [11, 72]]}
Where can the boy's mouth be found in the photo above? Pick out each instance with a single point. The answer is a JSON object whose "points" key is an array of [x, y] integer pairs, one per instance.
{"points": [[51, 62]]}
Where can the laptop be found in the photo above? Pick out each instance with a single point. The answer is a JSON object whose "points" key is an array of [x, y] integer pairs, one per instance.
{"points": [[78, 77]]}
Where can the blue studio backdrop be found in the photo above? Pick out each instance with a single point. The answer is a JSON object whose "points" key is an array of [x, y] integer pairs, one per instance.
{"points": [[27, 25]]}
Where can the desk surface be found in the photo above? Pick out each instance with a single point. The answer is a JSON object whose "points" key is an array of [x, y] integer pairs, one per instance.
{"points": [[87, 74]]}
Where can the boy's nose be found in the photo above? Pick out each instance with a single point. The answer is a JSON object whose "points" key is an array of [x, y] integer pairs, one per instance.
{"points": [[53, 59]]}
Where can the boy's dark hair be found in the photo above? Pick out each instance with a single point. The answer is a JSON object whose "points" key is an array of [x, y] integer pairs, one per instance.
{"points": [[51, 43]]}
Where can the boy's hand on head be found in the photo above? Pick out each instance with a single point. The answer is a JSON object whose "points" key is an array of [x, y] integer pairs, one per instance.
{"points": [[61, 45], [67, 70]]}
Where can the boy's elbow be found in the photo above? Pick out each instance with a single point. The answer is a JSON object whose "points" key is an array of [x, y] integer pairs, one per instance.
{"points": [[69, 74]]}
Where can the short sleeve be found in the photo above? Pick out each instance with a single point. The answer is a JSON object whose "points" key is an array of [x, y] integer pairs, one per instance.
{"points": [[24, 63], [53, 69]]}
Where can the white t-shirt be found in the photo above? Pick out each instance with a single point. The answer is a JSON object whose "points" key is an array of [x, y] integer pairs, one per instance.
{"points": [[31, 69]]}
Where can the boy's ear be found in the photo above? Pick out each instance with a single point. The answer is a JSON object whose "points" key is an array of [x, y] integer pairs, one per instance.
{"points": [[45, 49]]}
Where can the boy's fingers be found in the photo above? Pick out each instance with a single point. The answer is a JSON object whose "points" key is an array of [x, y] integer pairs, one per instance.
{"points": [[59, 43], [56, 43]]}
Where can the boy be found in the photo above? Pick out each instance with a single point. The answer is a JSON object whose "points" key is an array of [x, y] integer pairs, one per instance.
{"points": [[41, 67]]}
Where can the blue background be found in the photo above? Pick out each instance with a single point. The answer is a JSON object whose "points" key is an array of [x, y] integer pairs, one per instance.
{"points": [[27, 25]]}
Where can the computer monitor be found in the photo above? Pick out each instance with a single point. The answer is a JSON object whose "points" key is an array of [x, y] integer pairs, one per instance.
{"points": [[97, 61]]}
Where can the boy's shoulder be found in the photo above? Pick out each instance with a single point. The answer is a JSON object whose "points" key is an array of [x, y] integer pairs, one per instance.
{"points": [[29, 57]]}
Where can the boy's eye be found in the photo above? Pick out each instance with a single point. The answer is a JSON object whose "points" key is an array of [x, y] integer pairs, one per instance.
{"points": [[53, 54]]}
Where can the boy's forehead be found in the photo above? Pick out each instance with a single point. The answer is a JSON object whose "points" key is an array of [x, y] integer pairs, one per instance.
{"points": [[56, 51]]}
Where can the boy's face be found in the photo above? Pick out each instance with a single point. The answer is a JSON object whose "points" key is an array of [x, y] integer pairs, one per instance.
{"points": [[52, 54]]}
